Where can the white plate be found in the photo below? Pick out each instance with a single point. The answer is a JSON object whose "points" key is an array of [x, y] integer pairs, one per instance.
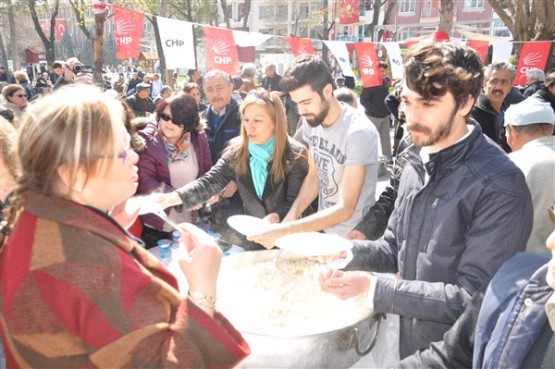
{"points": [[314, 244], [246, 224]]}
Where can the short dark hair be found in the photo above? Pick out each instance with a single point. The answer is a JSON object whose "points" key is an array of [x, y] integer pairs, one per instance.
{"points": [[307, 70], [57, 64], [184, 111], [434, 69]]}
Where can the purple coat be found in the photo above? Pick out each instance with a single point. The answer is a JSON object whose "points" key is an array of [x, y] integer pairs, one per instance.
{"points": [[154, 173]]}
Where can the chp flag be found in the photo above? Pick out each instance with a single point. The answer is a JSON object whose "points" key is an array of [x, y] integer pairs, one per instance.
{"points": [[533, 55], [128, 32], [300, 46], [177, 43], [341, 55], [221, 51], [368, 64]]}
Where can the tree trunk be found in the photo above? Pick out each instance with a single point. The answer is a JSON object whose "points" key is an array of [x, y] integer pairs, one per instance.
{"points": [[227, 16], [246, 12], [49, 49], [445, 16], [4, 55], [13, 38], [79, 11], [98, 49]]}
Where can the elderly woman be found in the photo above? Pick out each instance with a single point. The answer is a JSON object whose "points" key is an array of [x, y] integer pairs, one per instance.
{"points": [[177, 153], [267, 165], [15, 99], [82, 292]]}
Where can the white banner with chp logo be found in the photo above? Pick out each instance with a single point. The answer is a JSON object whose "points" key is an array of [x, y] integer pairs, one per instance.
{"points": [[177, 42], [341, 54]]}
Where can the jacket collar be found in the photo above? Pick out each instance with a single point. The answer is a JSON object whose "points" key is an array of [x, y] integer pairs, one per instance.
{"points": [[449, 158]]}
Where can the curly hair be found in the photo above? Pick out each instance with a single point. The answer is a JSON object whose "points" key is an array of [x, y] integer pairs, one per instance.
{"points": [[432, 70]]}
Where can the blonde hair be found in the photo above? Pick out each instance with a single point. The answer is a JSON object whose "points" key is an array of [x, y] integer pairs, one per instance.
{"points": [[71, 128], [274, 107], [8, 135]]}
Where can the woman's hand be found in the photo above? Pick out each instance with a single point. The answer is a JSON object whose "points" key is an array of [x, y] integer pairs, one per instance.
{"points": [[203, 266], [271, 218]]}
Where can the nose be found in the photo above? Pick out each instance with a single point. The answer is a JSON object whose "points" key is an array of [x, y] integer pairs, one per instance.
{"points": [[133, 157]]}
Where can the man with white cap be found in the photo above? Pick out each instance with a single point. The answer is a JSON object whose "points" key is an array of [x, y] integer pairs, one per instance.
{"points": [[529, 128]]}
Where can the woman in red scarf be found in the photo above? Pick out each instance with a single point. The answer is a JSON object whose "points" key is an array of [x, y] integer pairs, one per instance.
{"points": [[78, 291]]}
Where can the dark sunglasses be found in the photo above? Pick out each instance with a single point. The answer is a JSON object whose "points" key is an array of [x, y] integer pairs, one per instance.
{"points": [[20, 95], [167, 118]]}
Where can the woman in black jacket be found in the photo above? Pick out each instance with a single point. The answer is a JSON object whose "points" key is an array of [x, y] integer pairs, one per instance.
{"points": [[268, 166]]}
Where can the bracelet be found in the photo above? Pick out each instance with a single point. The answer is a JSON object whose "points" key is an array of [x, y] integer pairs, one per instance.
{"points": [[202, 300]]}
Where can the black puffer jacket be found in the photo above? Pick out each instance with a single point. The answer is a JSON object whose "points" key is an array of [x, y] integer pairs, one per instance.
{"points": [[484, 114]]}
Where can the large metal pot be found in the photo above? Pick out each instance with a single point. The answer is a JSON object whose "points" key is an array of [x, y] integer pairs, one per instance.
{"points": [[340, 348]]}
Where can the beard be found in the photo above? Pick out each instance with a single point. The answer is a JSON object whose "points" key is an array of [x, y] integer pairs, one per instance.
{"points": [[314, 120], [432, 136]]}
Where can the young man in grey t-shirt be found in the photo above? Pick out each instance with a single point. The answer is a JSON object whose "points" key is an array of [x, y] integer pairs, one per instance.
{"points": [[343, 165]]}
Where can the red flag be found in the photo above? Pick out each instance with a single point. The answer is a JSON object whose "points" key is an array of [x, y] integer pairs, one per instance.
{"points": [[221, 52], [533, 55], [59, 28], [349, 11], [481, 48], [368, 64], [300, 46], [128, 31]]}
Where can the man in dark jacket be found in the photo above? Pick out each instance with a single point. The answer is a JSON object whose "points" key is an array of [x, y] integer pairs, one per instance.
{"points": [[140, 102], [490, 107], [223, 119], [463, 207], [223, 122], [519, 296], [535, 78], [272, 79]]}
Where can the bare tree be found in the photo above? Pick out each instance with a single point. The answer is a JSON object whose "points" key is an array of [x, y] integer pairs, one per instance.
{"points": [[246, 13], [48, 42], [527, 19], [226, 12], [445, 16]]}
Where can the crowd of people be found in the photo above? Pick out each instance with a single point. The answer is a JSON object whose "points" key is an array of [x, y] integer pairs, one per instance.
{"points": [[462, 225]]}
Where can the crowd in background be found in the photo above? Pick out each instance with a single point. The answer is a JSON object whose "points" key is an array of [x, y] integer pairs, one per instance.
{"points": [[301, 151]]}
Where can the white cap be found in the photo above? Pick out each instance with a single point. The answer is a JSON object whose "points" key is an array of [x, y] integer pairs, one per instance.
{"points": [[529, 111]]}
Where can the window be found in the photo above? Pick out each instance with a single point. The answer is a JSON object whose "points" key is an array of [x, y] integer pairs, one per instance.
{"points": [[281, 14], [303, 12], [403, 35], [407, 6], [427, 8], [473, 4], [266, 12]]}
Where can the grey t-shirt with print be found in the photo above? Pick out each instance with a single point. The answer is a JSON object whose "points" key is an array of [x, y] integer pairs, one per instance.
{"points": [[351, 140]]}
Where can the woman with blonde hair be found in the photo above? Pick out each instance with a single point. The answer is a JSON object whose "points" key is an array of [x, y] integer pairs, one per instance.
{"points": [[268, 166], [77, 289]]}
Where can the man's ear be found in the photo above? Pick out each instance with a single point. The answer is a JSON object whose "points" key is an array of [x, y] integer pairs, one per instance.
{"points": [[328, 90], [465, 108]]}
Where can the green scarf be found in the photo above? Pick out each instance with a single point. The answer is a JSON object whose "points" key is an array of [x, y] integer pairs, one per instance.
{"points": [[260, 155]]}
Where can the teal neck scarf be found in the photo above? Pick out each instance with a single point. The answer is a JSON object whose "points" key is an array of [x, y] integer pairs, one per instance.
{"points": [[260, 155]]}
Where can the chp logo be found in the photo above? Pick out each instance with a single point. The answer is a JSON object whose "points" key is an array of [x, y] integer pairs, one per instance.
{"points": [[367, 65], [221, 51], [124, 29]]}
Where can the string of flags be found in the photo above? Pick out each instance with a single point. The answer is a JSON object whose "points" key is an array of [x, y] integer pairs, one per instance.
{"points": [[222, 44]]}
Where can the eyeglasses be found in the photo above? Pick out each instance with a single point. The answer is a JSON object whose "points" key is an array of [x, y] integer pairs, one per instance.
{"points": [[23, 95], [123, 155]]}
